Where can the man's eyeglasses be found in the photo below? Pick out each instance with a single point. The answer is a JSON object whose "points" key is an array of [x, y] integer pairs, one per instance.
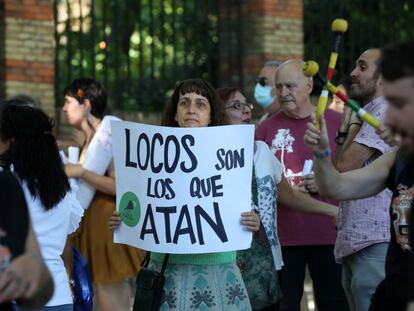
{"points": [[237, 105], [263, 81]]}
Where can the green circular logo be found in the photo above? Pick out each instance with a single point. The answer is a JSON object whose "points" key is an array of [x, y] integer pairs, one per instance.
{"points": [[130, 209]]}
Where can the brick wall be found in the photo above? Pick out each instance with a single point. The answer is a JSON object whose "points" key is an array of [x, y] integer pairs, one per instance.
{"points": [[271, 30], [27, 50], [278, 24]]}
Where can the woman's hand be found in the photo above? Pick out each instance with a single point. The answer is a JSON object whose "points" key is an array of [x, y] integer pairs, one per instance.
{"points": [[251, 221], [114, 221], [308, 184], [74, 170]]}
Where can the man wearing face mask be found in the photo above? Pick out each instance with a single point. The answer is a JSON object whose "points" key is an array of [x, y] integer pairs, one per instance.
{"points": [[264, 91]]}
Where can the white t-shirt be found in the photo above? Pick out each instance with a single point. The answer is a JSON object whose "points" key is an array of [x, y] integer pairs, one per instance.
{"points": [[51, 229], [268, 172]]}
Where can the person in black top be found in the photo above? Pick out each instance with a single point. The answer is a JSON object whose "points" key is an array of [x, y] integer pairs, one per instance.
{"points": [[394, 170], [24, 276], [396, 290]]}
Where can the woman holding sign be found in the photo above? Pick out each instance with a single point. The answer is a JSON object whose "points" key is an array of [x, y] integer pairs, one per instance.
{"points": [[269, 186], [111, 264], [199, 281], [211, 281]]}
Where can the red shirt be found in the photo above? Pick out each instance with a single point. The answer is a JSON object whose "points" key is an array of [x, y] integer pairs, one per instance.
{"points": [[284, 136]]}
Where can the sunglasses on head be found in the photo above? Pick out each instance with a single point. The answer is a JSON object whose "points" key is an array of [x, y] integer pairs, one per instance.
{"points": [[263, 81]]}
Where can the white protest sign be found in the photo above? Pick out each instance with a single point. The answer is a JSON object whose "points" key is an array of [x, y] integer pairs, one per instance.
{"points": [[97, 159], [182, 190], [307, 167], [73, 157]]}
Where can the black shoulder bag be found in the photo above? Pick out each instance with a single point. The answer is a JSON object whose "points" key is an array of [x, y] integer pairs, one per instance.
{"points": [[149, 286]]}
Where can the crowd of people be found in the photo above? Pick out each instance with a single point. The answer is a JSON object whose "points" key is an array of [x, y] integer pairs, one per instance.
{"points": [[347, 221]]}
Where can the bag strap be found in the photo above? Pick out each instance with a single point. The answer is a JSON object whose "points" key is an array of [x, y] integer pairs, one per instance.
{"points": [[254, 187], [145, 262], [164, 264]]}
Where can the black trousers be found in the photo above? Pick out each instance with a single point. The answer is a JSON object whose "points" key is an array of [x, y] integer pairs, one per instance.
{"points": [[325, 273], [274, 307], [392, 294]]}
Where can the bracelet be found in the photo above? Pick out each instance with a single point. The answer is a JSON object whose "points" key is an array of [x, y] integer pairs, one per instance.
{"points": [[323, 154], [339, 141], [340, 137]]}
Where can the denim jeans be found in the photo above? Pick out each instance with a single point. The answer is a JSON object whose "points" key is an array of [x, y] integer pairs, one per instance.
{"points": [[361, 274]]}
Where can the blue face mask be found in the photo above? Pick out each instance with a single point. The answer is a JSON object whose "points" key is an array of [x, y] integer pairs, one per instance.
{"points": [[263, 95]]}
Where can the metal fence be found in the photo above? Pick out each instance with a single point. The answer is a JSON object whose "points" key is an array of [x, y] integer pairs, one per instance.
{"points": [[138, 49]]}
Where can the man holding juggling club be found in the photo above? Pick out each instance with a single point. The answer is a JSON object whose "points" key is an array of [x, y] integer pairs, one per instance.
{"points": [[363, 224], [394, 171]]}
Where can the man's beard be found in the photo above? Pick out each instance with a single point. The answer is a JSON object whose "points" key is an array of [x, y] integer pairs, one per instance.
{"points": [[364, 94]]}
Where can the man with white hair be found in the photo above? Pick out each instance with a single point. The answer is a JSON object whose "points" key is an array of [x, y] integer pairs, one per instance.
{"points": [[307, 240]]}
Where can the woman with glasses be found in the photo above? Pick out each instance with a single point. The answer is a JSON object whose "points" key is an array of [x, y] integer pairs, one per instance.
{"points": [[236, 109], [29, 148], [269, 186]]}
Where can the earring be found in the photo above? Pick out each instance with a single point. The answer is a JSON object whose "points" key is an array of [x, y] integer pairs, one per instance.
{"points": [[88, 118]]}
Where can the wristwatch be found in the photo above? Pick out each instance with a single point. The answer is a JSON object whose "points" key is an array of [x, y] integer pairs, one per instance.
{"points": [[340, 137]]}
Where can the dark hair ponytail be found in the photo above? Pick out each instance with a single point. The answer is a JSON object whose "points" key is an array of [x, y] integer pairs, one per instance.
{"points": [[33, 151]]}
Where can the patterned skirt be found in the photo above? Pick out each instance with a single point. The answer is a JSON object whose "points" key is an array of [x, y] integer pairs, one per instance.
{"points": [[203, 287], [259, 274]]}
